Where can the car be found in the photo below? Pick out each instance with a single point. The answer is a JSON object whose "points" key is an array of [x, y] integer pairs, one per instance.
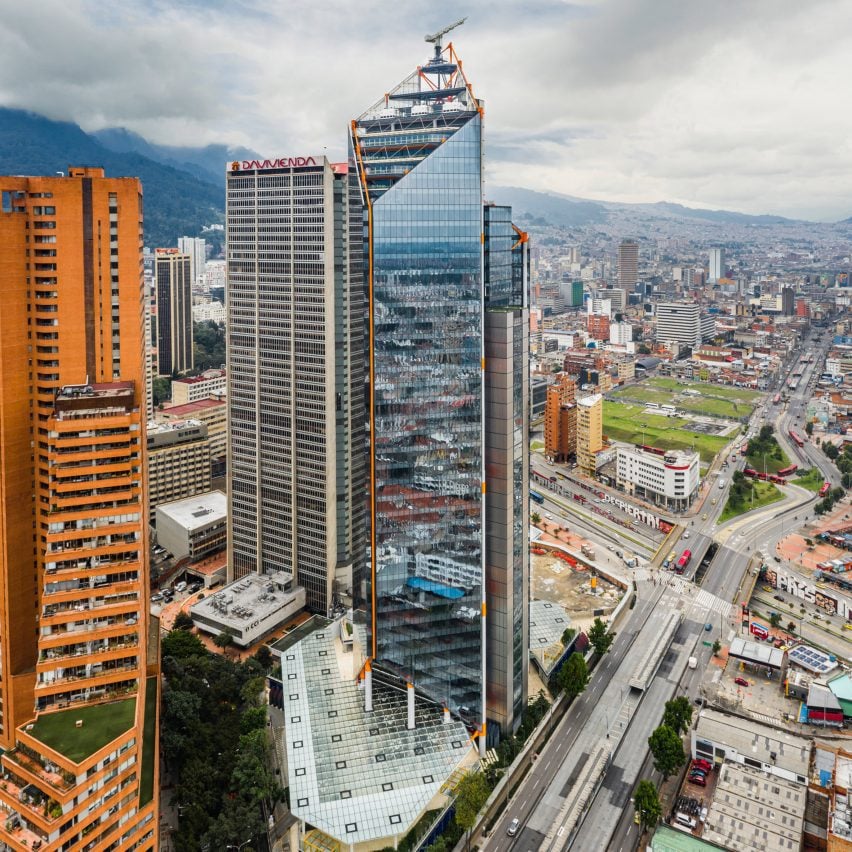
{"points": [[708, 626], [699, 701], [157, 596], [740, 681], [700, 763], [767, 588], [713, 501], [704, 517], [777, 559], [697, 773], [698, 781], [181, 586], [847, 626], [779, 598], [514, 825], [637, 818], [686, 534]]}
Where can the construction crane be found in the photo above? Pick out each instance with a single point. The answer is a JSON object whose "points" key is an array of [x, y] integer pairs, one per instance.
{"points": [[435, 38]]}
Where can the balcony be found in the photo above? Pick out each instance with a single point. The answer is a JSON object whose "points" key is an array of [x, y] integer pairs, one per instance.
{"points": [[27, 761]]}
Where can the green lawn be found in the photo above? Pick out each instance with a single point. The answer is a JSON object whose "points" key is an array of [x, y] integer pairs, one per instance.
{"points": [[773, 464], [764, 494], [536, 446], [707, 389], [149, 740], [102, 723], [812, 480], [623, 422]]}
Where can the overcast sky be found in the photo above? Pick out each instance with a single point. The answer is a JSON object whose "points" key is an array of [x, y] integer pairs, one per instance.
{"points": [[741, 104]]}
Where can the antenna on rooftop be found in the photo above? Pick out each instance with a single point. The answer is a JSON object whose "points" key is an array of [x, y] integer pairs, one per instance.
{"points": [[436, 38]]}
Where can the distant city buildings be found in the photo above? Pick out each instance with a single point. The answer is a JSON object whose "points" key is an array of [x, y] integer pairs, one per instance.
{"points": [[172, 274], [683, 323], [178, 462], [717, 268], [196, 249], [628, 267], [193, 388]]}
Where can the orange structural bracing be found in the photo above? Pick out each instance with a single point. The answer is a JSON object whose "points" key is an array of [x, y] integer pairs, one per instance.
{"points": [[78, 691]]}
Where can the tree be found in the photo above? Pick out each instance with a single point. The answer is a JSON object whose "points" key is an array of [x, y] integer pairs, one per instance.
{"points": [[535, 518], [643, 349], [264, 657], [181, 644], [599, 637], [667, 751], [209, 345], [791, 626], [775, 618], [678, 714], [183, 621], [846, 480], [573, 677], [224, 640], [471, 794], [717, 646], [646, 802], [809, 429], [568, 635], [162, 390], [830, 450]]}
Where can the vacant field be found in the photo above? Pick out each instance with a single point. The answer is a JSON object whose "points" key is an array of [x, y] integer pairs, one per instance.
{"points": [[714, 400], [812, 480], [769, 463], [623, 422]]}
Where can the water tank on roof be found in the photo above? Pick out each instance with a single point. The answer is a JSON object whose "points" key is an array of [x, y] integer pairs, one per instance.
{"points": [[388, 112], [420, 109], [453, 106]]}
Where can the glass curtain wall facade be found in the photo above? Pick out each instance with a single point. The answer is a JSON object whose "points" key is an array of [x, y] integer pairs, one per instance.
{"points": [[418, 156]]}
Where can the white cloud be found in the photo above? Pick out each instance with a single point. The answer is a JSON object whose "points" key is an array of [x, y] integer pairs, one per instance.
{"points": [[729, 104]]}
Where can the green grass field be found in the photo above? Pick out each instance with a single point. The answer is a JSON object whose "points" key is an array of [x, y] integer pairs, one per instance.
{"points": [[714, 400], [812, 480], [765, 493], [772, 464], [102, 723], [624, 422]]}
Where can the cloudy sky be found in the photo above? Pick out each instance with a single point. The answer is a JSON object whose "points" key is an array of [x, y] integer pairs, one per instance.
{"points": [[741, 104]]}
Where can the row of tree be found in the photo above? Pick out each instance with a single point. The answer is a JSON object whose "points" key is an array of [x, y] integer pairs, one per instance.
{"points": [[214, 743], [666, 745]]}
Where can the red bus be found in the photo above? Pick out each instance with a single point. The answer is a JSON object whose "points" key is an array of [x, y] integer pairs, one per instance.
{"points": [[777, 478], [788, 471], [683, 561], [824, 490], [796, 438], [759, 630], [749, 471]]}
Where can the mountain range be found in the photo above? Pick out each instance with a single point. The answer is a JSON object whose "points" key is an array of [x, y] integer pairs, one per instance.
{"points": [[184, 186]]}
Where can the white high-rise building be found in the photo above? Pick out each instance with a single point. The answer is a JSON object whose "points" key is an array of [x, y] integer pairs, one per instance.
{"points": [[717, 264], [681, 322], [196, 248]]}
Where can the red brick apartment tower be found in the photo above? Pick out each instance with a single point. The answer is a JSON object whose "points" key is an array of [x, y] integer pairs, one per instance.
{"points": [[78, 665]]}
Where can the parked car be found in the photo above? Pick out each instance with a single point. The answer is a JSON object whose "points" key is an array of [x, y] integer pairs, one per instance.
{"points": [[698, 780], [777, 559], [181, 586], [767, 588], [512, 830], [708, 626], [740, 681], [702, 764], [779, 598], [157, 596]]}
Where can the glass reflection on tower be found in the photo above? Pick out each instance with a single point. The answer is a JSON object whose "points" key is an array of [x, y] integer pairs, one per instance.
{"points": [[418, 158]]}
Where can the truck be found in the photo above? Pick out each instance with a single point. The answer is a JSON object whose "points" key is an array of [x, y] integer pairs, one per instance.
{"points": [[588, 551], [692, 662]]}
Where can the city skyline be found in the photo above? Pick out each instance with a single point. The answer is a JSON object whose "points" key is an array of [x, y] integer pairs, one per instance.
{"points": [[709, 119]]}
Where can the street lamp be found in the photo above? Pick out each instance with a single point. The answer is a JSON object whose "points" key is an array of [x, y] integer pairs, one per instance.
{"points": [[245, 843]]}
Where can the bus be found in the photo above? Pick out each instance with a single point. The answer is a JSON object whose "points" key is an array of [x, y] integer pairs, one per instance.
{"points": [[796, 438], [759, 630], [683, 561], [535, 496], [788, 471], [824, 490]]}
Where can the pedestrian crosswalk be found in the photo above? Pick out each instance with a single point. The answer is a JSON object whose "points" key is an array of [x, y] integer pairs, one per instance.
{"points": [[706, 600], [701, 599]]}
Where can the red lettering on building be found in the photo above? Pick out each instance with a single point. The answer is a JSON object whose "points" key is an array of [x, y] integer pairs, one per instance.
{"points": [[280, 163]]}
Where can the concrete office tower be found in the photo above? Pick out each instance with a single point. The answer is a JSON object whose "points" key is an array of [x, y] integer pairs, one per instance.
{"points": [[560, 419], [717, 265], [173, 281], [589, 432], [628, 267], [437, 350], [196, 248], [788, 301], [680, 322], [79, 693], [296, 461]]}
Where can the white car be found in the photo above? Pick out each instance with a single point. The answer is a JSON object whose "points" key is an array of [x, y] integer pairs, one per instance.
{"points": [[512, 830]]}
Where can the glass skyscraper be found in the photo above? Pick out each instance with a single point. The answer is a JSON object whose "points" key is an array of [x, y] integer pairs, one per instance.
{"points": [[417, 156]]}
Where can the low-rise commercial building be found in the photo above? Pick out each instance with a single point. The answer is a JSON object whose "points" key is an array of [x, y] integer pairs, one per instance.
{"points": [[667, 478], [249, 608], [195, 527], [213, 413]]}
